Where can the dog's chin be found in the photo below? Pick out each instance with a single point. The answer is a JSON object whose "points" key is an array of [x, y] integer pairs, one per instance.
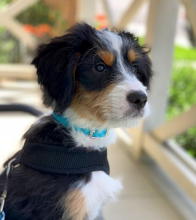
{"points": [[123, 122], [130, 118]]}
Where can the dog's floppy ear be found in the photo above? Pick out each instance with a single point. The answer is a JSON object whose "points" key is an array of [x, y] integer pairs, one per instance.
{"points": [[56, 63]]}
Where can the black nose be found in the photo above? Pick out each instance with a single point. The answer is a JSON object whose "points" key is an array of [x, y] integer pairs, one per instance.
{"points": [[138, 99]]}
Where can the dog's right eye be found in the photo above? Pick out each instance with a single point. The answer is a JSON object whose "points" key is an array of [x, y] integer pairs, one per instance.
{"points": [[100, 68]]}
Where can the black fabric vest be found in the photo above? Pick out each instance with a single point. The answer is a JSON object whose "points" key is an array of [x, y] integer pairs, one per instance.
{"points": [[63, 160]]}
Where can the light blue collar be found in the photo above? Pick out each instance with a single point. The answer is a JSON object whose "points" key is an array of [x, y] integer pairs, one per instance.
{"points": [[92, 133]]}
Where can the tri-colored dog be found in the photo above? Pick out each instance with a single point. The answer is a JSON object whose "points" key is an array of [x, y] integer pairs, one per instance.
{"points": [[94, 81]]}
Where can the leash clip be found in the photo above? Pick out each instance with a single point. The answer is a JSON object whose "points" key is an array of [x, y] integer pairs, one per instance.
{"points": [[2, 216], [2, 202]]}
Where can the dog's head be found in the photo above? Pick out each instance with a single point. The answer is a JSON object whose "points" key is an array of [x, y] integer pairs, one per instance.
{"points": [[101, 76]]}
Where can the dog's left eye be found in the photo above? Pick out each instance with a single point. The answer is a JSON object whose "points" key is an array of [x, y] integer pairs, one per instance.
{"points": [[134, 68], [100, 68]]}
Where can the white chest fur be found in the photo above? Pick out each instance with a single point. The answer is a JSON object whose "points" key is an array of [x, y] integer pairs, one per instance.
{"points": [[97, 192], [101, 187]]}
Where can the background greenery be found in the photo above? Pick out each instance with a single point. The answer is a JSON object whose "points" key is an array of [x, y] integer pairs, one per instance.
{"points": [[182, 92], [35, 15]]}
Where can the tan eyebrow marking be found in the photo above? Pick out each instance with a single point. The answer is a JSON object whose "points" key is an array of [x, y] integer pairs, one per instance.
{"points": [[107, 57], [133, 55]]}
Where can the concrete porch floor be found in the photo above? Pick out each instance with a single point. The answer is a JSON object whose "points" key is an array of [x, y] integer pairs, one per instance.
{"points": [[147, 194]]}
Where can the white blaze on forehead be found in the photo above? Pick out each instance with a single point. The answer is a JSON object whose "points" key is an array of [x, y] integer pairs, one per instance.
{"points": [[116, 41], [129, 79], [116, 45]]}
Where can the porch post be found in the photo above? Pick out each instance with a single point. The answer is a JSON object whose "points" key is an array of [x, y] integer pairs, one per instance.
{"points": [[161, 27]]}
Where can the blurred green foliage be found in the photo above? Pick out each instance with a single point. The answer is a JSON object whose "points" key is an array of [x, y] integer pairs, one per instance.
{"points": [[9, 47], [188, 141], [182, 96], [39, 13], [36, 14], [182, 92], [186, 54], [3, 3]]}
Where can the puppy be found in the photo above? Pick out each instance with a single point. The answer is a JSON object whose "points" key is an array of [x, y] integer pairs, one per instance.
{"points": [[96, 81]]}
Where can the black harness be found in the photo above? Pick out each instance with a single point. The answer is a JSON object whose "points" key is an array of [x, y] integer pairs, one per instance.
{"points": [[63, 160], [56, 159]]}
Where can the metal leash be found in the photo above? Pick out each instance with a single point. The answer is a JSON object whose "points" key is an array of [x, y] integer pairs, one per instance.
{"points": [[8, 168]]}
